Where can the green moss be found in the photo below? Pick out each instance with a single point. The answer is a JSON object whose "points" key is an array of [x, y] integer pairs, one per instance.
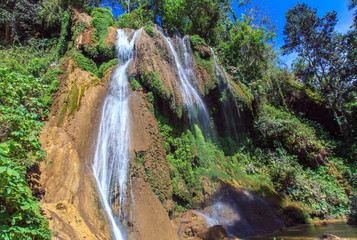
{"points": [[72, 100], [83, 89], [163, 53], [241, 94], [140, 157], [209, 66], [95, 81], [150, 98], [150, 80], [62, 115]]}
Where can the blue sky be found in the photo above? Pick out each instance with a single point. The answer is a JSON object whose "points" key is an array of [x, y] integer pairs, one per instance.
{"points": [[278, 8]]}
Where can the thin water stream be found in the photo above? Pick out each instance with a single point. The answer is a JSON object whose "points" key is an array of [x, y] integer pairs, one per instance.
{"points": [[111, 158], [192, 101], [224, 85]]}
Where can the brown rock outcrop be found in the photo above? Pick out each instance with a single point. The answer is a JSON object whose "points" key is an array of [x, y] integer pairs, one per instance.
{"points": [[149, 219], [152, 54], [216, 232], [70, 198]]}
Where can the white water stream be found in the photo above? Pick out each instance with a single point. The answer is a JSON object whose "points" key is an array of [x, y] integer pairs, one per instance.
{"points": [[111, 158], [192, 101], [227, 108]]}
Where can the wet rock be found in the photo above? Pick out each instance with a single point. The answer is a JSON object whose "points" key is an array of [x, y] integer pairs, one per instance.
{"points": [[204, 51], [191, 224], [327, 236], [242, 213], [216, 232]]}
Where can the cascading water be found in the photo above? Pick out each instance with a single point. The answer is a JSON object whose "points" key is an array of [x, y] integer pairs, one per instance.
{"points": [[192, 101], [224, 85], [111, 153]]}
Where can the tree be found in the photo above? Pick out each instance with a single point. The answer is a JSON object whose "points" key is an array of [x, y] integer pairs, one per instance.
{"points": [[17, 18], [246, 51], [326, 54]]}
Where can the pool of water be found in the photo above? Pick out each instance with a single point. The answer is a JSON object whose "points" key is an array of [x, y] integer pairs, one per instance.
{"points": [[312, 231]]}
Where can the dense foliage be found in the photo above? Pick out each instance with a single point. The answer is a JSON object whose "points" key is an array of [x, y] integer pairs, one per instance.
{"points": [[25, 95]]}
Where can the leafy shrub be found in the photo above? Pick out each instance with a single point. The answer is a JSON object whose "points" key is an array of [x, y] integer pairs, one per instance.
{"points": [[136, 19], [25, 95], [100, 53], [135, 85], [23, 104], [197, 40], [153, 82], [20, 213], [149, 28], [106, 66], [51, 75], [62, 41], [296, 137], [102, 19], [85, 63]]}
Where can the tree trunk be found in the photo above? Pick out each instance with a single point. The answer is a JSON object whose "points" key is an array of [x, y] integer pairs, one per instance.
{"points": [[7, 32]]}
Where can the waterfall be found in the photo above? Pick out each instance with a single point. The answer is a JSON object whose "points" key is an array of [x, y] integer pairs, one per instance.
{"points": [[224, 85], [192, 101], [111, 156]]}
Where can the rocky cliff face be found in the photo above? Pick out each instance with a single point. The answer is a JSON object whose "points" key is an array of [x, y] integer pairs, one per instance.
{"points": [[70, 199]]}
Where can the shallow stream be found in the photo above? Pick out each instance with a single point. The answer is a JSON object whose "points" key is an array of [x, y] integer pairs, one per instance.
{"points": [[312, 231]]}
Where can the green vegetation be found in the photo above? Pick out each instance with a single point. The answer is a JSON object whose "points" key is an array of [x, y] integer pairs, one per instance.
{"points": [[298, 142], [134, 20], [85, 63], [25, 96], [151, 81], [21, 217], [62, 41], [105, 66], [197, 40], [135, 85], [149, 28], [208, 65], [102, 19]]}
